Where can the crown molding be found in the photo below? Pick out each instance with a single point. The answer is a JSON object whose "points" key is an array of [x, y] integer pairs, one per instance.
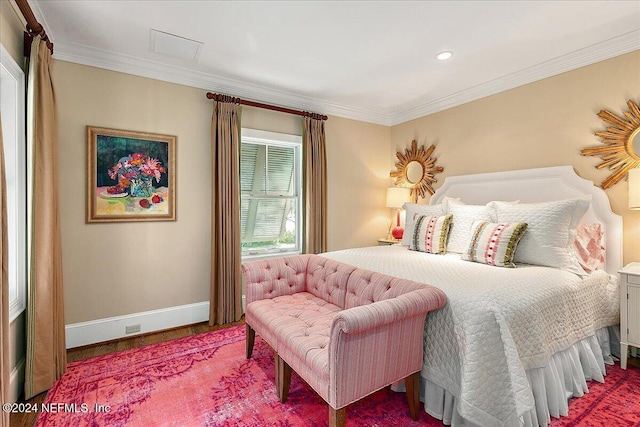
{"points": [[85, 55], [589, 55], [37, 12]]}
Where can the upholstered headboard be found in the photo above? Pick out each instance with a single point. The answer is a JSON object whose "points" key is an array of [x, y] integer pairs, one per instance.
{"points": [[540, 185]]}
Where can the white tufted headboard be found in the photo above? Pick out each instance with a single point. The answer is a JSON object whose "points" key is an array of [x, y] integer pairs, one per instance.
{"points": [[540, 185]]}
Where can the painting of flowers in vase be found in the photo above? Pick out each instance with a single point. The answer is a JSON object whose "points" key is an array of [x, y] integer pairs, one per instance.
{"points": [[130, 176]]}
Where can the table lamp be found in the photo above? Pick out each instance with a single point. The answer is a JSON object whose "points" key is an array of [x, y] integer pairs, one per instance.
{"points": [[396, 197], [634, 189]]}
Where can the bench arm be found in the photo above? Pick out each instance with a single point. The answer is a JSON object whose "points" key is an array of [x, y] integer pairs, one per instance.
{"points": [[377, 344], [365, 317]]}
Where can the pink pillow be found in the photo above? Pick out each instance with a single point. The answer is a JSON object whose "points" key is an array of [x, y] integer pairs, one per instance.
{"points": [[588, 246]]}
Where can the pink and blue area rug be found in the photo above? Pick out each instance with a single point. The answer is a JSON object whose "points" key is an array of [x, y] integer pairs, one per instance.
{"points": [[205, 380]]}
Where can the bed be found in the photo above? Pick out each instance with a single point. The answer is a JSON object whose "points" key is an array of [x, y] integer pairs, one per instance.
{"points": [[512, 344]]}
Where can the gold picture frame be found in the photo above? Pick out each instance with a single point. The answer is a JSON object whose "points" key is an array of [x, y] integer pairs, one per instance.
{"points": [[131, 176], [415, 169], [621, 150]]}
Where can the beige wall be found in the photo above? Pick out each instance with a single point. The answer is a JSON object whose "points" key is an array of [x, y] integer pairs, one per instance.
{"points": [[11, 30], [358, 175], [541, 124], [124, 268], [545, 123]]}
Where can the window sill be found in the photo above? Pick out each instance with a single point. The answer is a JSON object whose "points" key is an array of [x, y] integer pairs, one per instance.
{"points": [[268, 255]]}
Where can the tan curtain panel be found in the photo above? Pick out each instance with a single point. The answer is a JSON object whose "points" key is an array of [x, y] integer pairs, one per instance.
{"points": [[4, 284], [226, 289], [315, 182], [46, 353]]}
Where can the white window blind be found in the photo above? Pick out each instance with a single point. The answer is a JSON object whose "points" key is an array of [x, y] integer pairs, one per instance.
{"points": [[270, 185]]}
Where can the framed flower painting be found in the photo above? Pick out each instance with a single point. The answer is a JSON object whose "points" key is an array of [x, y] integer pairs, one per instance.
{"points": [[130, 176]]}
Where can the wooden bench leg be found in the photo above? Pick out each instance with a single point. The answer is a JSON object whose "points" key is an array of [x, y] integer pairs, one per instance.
{"points": [[412, 383], [251, 337], [277, 372], [337, 417], [283, 378]]}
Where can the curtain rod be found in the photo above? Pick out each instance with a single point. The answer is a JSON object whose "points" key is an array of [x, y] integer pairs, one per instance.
{"points": [[34, 28], [227, 98]]}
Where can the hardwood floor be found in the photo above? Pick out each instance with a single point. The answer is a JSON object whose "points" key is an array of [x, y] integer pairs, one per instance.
{"points": [[81, 353]]}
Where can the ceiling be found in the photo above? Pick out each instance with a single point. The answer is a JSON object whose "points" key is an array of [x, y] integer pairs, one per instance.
{"points": [[366, 60]]}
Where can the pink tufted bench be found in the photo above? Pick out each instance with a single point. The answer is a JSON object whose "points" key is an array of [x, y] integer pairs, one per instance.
{"points": [[346, 331]]}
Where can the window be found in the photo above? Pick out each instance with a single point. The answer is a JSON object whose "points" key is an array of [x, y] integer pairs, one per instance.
{"points": [[270, 188], [13, 137]]}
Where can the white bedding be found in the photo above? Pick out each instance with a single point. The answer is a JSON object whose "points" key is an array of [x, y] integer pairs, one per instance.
{"points": [[497, 324]]}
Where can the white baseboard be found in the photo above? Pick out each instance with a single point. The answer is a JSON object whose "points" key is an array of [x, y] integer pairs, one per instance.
{"points": [[16, 381], [111, 328]]}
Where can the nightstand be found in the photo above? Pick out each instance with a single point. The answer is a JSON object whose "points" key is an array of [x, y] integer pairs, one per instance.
{"points": [[387, 242], [629, 310]]}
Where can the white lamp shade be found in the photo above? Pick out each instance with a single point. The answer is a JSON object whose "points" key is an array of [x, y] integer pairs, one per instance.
{"points": [[397, 196], [634, 189]]}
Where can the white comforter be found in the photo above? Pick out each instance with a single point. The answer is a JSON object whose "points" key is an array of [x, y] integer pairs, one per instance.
{"points": [[498, 322]]}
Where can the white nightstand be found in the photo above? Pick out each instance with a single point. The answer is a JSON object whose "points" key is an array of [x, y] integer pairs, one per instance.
{"points": [[386, 242], [629, 310]]}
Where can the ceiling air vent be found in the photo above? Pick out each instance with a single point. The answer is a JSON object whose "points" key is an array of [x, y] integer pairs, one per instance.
{"points": [[172, 45]]}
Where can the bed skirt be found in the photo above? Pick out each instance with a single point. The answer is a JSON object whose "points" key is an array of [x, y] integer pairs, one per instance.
{"points": [[565, 376]]}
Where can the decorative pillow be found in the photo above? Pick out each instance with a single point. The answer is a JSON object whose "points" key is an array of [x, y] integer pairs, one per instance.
{"points": [[588, 246], [430, 234], [494, 244], [551, 230], [411, 210], [463, 217]]}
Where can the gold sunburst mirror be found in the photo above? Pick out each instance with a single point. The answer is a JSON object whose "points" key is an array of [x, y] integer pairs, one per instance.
{"points": [[415, 169], [621, 150]]}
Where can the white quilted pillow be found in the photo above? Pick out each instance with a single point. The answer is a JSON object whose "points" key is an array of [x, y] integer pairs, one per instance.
{"points": [[463, 217], [413, 210], [550, 233]]}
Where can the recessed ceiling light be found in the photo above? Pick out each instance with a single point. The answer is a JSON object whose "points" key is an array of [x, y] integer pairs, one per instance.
{"points": [[444, 55]]}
